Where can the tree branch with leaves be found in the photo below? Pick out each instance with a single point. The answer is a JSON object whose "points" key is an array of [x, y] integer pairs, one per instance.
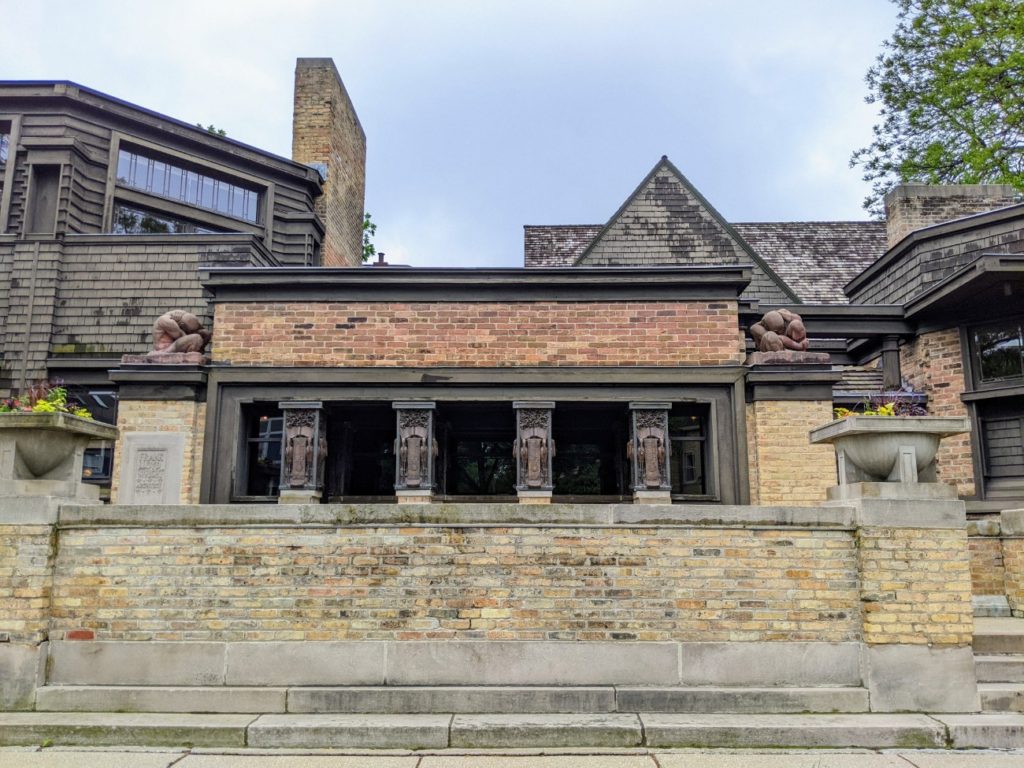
{"points": [[950, 83]]}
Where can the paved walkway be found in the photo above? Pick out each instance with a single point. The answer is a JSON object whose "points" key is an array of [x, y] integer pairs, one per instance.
{"points": [[112, 757]]}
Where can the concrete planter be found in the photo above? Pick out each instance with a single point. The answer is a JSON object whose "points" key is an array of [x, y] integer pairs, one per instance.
{"points": [[888, 448], [41, 454]]}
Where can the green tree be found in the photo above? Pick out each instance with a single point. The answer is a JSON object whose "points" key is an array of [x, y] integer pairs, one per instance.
{"points": [[950, 83], [211, 128], [369, 230]]}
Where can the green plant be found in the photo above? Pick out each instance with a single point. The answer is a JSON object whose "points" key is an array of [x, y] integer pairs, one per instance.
{"points": [[44, 397], [369, 230], [887, 404]]}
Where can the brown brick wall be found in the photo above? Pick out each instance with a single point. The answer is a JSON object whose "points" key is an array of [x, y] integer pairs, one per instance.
{"points": [[784, 467], [26, 560], [518, 583], [933, 364], [988, 575], [326, 129], [165, 416], [484, 334], [916, 586]]}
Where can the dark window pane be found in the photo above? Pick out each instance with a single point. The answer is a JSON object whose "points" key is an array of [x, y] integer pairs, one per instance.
{"points": [[263, 451], [999, 352], [138, 221], [97, 463], [484, 467], [687, 429], [5, 146]]}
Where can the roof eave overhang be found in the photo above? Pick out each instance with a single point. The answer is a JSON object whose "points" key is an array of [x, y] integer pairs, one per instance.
{"points": [[470, 284]]}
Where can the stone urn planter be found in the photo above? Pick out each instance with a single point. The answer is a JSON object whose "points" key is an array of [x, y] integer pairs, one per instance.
{"points": [[41, 454], [888, 448]]}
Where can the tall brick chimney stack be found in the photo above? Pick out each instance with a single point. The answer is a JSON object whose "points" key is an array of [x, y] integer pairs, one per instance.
{"points": [[913, 206], [326, 134]]}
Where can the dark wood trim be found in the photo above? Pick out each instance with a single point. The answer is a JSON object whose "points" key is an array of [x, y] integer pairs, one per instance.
{"points": [[908, 243], [597, 379], [228, 284]]}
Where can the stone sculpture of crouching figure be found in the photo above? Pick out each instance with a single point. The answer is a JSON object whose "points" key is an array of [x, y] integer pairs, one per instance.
{"points": [[178, 331], [780, 330]]}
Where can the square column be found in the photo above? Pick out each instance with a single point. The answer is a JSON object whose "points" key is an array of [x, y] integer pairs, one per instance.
{"points": [[303, 452], [534, 450], [415, 451], [648, 451]]}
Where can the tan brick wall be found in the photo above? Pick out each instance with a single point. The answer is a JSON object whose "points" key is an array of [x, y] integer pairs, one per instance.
{"points": [[909, 207], [1013, 561], [933, 364], [484, 334], [916, 586], [165, 416], [26, 560], [519, 583], [784, 467], [326, 129], [988, 575]]}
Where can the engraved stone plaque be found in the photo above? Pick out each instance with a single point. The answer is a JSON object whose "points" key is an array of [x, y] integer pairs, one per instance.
{"points": [[151, 468]]}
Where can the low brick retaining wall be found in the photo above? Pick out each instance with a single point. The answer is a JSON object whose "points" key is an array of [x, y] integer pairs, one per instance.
{"points": [[996, 546], [620, 594]]}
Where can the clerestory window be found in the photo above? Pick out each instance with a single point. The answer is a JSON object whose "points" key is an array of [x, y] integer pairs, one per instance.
{"points": [[192, 187]]}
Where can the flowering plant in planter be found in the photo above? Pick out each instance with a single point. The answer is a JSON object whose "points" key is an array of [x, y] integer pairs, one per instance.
{"points": [[883, 405], [44, 397]]}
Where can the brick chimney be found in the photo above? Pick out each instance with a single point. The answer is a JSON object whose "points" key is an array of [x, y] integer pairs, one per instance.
{"points": [[326, 134], [913, 206]]}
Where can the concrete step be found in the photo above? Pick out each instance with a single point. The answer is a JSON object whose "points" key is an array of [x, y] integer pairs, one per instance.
{"points": [[1008, 668], [159, 698], [1002, 697], [124, 729], [998, 635], [715, 700], [447, 699], [871, 730], [367, 731]]}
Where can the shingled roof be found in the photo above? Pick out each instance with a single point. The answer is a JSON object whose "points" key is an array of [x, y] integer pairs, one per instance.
{"points": [[817, 258]]}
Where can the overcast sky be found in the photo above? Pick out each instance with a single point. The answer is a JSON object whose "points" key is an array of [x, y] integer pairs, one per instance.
{"points": [[485, 116]]}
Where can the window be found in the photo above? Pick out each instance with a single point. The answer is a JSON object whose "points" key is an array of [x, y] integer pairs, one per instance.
{"points": [[5, 142], [98, 462], [264, 427], [138, 221], [687, 431], [159, 177], [998, 351]]}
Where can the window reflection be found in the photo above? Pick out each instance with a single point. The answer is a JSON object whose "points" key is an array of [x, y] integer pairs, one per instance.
{"points": [[263, 451], [138, 221], [998, 349], [161, 178], [687, 429]]}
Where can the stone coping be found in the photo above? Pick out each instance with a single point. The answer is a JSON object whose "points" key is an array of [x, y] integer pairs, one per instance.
{"points": [[940, 426], [456, 515], [58, 421]]}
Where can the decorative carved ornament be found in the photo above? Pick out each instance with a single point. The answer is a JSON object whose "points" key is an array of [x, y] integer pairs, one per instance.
{"points": [[305, 449], [647, 449], [535, 448], [780, 330], [416, 448], [179, 331]]}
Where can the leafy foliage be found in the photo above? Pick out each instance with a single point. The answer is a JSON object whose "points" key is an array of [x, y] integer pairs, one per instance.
{"points": [[886, 404], [369, 230], [44, 397], [950, 83], [211, 128]]}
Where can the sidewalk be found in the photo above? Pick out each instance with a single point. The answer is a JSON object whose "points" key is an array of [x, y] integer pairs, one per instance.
{"points": [[112, 757]]}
